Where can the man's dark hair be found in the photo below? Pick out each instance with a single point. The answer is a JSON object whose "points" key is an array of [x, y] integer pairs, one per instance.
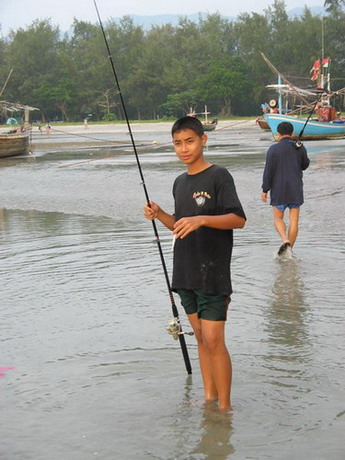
{"points": [[285, 128], [188, 123]]}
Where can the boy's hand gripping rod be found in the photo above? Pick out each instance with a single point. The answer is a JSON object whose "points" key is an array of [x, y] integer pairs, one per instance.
{"points": [[177, 332]]}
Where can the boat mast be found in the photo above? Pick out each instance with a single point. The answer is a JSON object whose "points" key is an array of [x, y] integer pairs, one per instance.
{"points": [[322, 54], [26, 116], [7, 80], [206, 113], [280, 98], [324, 70], [328, 76]]}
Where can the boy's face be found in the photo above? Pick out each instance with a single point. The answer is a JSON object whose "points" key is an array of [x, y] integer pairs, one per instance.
{"points": [[189, 146]]}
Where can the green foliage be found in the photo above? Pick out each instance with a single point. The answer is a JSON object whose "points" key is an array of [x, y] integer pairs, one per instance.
{"points": [[334, 4], [178, 104], [225, 80], [109, 117], [168, 69]]}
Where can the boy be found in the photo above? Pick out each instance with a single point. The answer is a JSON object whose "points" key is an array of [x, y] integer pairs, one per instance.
{"points": [[207, 210], [282, 176]]}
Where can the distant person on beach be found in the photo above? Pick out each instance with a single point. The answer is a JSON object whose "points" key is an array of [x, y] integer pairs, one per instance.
{"points": [[207, 209], [283, 178]]}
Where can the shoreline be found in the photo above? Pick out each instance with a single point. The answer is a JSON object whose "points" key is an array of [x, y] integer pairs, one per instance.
{"points": [[120, 127], [80, 136]]}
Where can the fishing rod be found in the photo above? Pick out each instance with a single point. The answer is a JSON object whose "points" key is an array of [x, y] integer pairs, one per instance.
{"points": [[174, 327]]}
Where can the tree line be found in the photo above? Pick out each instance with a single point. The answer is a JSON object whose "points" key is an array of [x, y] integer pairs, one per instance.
{"points": [[167, 69]]}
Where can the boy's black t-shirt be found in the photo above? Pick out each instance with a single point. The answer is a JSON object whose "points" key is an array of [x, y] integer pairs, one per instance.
{"points": [[202, 259]]}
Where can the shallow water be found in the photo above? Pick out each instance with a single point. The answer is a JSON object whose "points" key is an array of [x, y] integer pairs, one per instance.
{"points": [[87, 368]]}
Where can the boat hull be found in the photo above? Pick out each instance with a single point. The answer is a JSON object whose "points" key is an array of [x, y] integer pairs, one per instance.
{"points": [[313, 130], [263, 124], [210, 126], [13, 144]]}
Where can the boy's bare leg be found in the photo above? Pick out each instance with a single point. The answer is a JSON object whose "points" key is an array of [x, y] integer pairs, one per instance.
{"points": [[210, 389], [279, 224], [293, 229], [213, 336]]}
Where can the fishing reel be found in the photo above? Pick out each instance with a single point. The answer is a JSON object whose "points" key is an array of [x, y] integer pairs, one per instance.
{"points": [[174, 329], [298, 144]]}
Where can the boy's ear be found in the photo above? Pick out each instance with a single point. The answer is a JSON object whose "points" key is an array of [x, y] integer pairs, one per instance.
{"points": [[204, 139]]}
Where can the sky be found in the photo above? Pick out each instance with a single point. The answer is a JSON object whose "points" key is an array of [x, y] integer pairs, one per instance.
{"points": [[21, 13]]}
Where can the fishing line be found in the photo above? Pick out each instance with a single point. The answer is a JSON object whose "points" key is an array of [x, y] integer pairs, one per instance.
{"points": [[174, 328], [83, 136]]}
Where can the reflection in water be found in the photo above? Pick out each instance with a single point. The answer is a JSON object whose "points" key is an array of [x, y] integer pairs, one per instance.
{"points": [[289, 345], [212, 434], [287, 313], [216, 430]]}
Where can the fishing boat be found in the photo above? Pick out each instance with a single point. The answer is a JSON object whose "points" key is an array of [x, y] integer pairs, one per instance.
{"points": [[14, 143], [208, 125], [265, 108], [313, 129], [262, 123], [327, 124]]}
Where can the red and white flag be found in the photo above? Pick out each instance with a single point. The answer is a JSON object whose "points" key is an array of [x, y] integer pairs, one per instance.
{"points": [[316, 67]]}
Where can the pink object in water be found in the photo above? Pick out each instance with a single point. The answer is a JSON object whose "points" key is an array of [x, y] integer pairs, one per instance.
{"points": [[5, 369]]}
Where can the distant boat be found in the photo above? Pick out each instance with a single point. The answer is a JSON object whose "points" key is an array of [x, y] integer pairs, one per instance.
{"points": [[208, 125], [16, 141], [12, 144], [327, 125]]}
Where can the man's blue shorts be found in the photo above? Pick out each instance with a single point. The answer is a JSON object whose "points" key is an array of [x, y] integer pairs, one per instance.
{"points": [[282, 207], [208, 306]]}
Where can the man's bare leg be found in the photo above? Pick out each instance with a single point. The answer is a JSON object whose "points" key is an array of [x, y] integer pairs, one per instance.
{"points": [[293, 229], [279, 224]]}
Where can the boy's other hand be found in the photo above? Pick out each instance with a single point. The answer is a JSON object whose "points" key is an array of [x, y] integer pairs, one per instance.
{"points": [[151, 212], [187, 225]]}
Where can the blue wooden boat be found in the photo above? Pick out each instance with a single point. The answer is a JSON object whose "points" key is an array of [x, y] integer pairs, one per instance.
{"points": [[327, 125], [314, 129]]}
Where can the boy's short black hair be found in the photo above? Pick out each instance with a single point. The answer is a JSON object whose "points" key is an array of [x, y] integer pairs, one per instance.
{"points": [[285, 128], [188, 123]]}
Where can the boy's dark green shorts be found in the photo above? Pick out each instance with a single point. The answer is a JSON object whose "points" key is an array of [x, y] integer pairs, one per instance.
{"points": [[208, 306]]}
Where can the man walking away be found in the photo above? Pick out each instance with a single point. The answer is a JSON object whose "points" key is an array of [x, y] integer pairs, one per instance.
{"points": [[283, 178]]}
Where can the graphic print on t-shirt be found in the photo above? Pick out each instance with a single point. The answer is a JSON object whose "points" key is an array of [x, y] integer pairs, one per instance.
{"points": [[200, 198]]}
